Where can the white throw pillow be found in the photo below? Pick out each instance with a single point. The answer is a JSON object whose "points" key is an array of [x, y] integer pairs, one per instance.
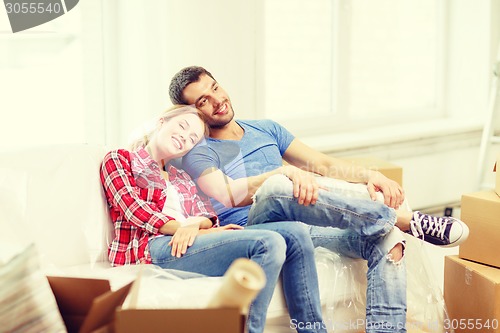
{"points": [[27, 303]]}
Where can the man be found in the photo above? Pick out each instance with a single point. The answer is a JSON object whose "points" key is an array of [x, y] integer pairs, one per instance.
{"points": [[241, 155]]}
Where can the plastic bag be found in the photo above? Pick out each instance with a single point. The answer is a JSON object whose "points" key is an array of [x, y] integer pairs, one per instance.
{"points": [[344, 307]]}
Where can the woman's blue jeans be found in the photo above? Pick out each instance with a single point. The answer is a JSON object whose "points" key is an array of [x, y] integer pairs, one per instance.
{"points": [[276, 247], [351, 226]]}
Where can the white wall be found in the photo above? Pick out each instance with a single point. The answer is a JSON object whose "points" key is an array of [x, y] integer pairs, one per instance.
{"points": [[469, 31], [220, 37]]}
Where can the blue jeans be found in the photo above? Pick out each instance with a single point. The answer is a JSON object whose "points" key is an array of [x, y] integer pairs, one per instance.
{"points": [[353, 227], [276, 247], [365, 217]]}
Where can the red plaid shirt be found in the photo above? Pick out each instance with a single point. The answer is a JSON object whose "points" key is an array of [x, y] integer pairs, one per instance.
{"points": [[135, 192]]}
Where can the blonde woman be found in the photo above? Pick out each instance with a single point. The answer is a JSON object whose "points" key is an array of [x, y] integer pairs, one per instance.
{"points": [[160, 217]]}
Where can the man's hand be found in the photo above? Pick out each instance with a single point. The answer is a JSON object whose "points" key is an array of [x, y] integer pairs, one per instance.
{"points": [[203, 222], [305, 187], [219, 229], [394, 194]]}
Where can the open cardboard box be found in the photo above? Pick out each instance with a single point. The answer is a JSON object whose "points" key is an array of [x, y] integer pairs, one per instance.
{"points": [[89, 305]]}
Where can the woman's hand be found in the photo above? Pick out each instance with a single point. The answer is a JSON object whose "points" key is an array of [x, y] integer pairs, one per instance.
{"points": [[183, 238], [305, 187], [184, 234]]}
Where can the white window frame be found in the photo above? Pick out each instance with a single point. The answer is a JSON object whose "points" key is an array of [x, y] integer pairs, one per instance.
{"points": [[342, 121]]}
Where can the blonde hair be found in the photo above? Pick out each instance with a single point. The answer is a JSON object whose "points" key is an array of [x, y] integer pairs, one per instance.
{"points": [[168, 114]]}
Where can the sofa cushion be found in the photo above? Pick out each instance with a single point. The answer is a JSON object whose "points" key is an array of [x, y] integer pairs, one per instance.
{"points": [[59, 202]]}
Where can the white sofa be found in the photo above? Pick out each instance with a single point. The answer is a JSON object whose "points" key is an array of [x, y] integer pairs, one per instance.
{"points": [[52, 196]]}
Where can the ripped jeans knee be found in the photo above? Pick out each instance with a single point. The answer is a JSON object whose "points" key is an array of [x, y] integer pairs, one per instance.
{"points": [[394, 245], [396, 254]]}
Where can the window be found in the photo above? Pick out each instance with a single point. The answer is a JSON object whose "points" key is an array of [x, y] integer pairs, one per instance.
{"points": [[352, 62]]}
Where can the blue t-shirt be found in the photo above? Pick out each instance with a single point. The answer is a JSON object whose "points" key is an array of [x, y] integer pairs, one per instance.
{"points": [[260, 150]]}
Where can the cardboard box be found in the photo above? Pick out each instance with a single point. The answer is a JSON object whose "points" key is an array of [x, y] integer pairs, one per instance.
{"points": [[179, 321], [390, 170], [481, 212], [472, 296], [89, 305]]}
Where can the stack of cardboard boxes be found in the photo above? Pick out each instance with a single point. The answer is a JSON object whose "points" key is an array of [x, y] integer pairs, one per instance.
{"points": [[472, 279]]}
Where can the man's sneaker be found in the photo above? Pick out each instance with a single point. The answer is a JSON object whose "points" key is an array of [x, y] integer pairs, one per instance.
{"points": [[441, 231]]}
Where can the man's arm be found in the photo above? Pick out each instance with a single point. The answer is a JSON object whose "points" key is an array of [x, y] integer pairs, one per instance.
{"points": [[231, 192], [308, 159]]}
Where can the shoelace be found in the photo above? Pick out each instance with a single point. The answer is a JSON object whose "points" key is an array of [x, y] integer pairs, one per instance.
{"points": [[434, 226]]}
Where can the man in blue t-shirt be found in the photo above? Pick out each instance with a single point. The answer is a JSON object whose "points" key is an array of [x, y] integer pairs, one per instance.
{"points": [[239, 156], [257, 152]]}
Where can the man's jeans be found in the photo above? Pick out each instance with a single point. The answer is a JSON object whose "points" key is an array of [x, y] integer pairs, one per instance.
{"points": [[276, 247], [352, 226]]}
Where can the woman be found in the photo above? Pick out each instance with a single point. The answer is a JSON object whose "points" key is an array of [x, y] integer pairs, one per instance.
{"points": [[160, 217]]}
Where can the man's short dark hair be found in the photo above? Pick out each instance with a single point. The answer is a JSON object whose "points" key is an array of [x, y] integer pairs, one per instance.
{"points": [[182, 79]]}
